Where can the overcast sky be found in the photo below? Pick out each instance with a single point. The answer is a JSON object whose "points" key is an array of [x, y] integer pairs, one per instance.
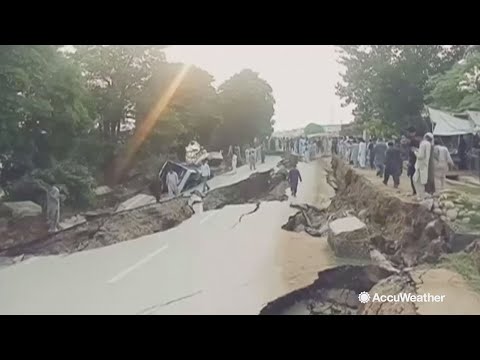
{"points": [[303, 77]]}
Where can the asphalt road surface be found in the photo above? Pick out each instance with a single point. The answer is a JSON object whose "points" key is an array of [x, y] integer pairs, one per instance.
{"points": [[210, 264]]}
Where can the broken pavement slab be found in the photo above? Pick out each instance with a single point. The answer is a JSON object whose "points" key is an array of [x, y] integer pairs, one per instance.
{"points": [[20, 209], [348, 237], [135, 202], [103, 190]]}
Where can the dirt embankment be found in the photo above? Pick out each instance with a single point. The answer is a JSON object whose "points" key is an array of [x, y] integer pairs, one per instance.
{"points": [[408, 231]]}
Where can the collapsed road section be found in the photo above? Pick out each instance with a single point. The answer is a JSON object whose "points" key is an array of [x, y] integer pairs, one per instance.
{"points": [[105, 228], [402, 240]]}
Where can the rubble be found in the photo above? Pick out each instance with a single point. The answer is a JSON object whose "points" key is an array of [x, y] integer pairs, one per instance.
{"points": [[135, 202], [20, 209]]}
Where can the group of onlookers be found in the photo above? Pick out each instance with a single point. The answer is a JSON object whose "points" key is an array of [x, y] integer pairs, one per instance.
{"points": [[425, 158]]}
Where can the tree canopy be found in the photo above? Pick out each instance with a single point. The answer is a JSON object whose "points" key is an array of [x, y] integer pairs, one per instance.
{"points": [[459, 88], [388, 83], [247, 107], [67, 115]]}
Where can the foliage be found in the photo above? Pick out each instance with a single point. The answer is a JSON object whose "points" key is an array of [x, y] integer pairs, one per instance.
{"points": [[69, 114], [313, 128], [192, 112], [44, 104], [389, 82], [459, 88], [76, 178], [247, 106], [116, 75]]}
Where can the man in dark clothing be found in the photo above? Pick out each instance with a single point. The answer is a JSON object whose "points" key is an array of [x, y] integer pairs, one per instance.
{"points": [[371, 154], [393, 165], [414, 143], [293, 177], [379, 152]]}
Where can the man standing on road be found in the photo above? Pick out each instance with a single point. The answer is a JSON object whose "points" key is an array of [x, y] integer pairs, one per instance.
{"points": [[371, 155], [379, 153], [293, 178], [234, 163], [442, 160], [205, 171], [421, 165], [172, 183], [393, 165], [362, 153], [252, 158], [53, 208]]}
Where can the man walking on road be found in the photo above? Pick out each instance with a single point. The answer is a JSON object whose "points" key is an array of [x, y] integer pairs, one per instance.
{"points": [[379, 153], [293, 177], [421, 166], [205, 171], [393, 165], [362, 153]]}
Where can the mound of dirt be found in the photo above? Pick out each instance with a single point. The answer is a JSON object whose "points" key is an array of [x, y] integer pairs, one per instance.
{"points": [[404, 225]]}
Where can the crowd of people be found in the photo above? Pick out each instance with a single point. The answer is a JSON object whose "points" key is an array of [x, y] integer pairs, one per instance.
{"points": [[428, 160], [302, 146]]}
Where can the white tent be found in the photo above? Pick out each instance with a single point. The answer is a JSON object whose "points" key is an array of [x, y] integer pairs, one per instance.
{"points": [[449, 125], [475, 117]]}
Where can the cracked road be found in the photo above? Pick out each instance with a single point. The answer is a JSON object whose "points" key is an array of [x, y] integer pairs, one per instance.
{"points": [[212, 263]]}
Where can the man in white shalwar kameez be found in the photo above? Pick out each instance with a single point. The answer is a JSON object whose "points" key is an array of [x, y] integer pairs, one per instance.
{"points": [[234, 163], [421, 165], [362, 153], [172, 183]]}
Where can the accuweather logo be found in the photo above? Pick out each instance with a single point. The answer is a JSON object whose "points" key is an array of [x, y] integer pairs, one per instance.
{"points": [[364, 297]]}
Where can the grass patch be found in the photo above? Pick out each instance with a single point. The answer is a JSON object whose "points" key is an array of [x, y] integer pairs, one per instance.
{"points": [[464, 264]]}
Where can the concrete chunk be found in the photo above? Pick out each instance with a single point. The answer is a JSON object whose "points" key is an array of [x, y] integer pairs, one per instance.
{"points": [[347, 224], [348, 237], [136, 201], [20, 209]]}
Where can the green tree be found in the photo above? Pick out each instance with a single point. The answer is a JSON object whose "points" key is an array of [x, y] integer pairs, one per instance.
{"points": [[192, 110], [389, 82], [44, 106], [116, 74], [247, 105], [459, 88]]}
